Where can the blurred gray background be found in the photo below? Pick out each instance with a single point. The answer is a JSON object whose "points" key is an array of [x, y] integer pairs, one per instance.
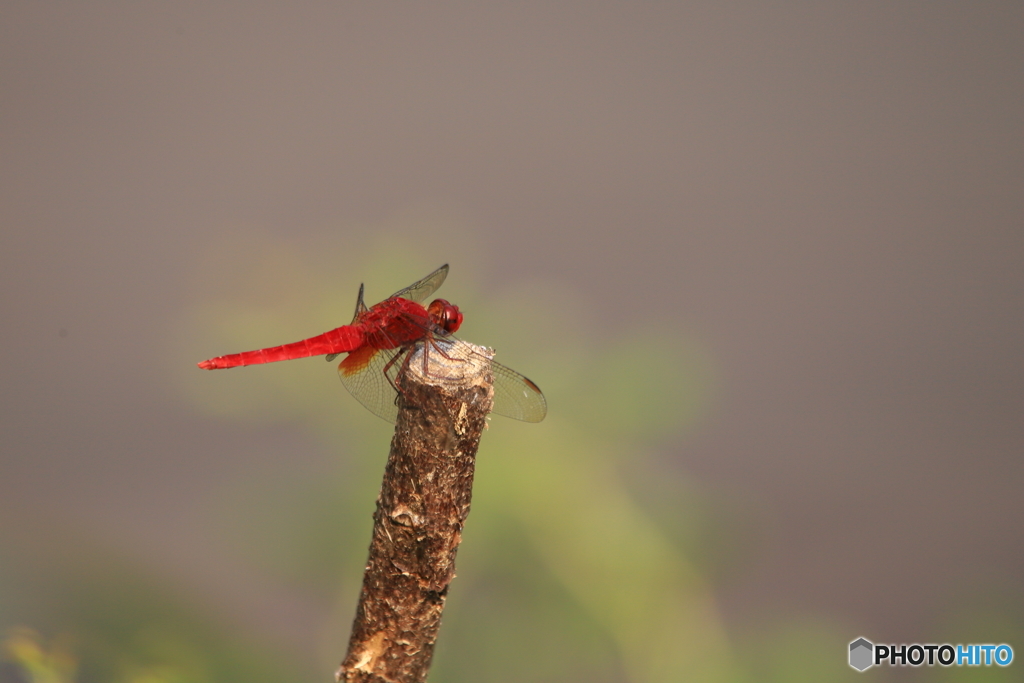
{"points": [[820, 204]]}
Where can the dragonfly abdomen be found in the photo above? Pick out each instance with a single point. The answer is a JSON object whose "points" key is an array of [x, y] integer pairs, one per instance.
{"points": [[338, 340]]}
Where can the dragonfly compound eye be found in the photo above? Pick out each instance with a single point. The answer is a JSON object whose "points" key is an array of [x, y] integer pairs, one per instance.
{"points": [[445, 315]]}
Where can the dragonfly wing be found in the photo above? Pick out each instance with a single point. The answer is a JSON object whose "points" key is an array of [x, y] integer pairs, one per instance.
{"points": [[363, 374], [419, 291], [360, 304], [371, 375], [515, 395]]}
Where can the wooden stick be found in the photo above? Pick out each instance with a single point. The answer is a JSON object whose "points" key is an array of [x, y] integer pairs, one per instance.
{"points": [[422, 506]]}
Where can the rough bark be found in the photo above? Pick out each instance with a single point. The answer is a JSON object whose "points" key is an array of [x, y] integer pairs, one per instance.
{"points": [[422, 507]]}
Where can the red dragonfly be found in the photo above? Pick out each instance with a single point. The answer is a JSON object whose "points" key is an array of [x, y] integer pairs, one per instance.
{"points": [[379, 342]]}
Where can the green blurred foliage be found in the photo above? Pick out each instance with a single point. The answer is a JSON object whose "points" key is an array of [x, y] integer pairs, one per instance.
{"points": [[39, 661], [85, 614]]}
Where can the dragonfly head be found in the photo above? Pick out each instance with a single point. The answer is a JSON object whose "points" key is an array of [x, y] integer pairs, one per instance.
{"points": [[445, 315]]}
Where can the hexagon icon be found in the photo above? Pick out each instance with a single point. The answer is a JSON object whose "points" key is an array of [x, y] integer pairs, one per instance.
{"points": [[861, 651]]}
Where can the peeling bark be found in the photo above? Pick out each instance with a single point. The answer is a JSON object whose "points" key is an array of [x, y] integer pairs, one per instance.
{"points": [[422, 507]]}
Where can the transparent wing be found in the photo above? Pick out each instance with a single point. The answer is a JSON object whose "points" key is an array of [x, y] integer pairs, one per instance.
{"points": [[516, 396], [371, 380], [419, 291], [369, 384]]}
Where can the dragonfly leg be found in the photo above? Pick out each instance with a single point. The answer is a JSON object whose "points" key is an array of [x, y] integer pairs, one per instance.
{"points": [[405, 356]]}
